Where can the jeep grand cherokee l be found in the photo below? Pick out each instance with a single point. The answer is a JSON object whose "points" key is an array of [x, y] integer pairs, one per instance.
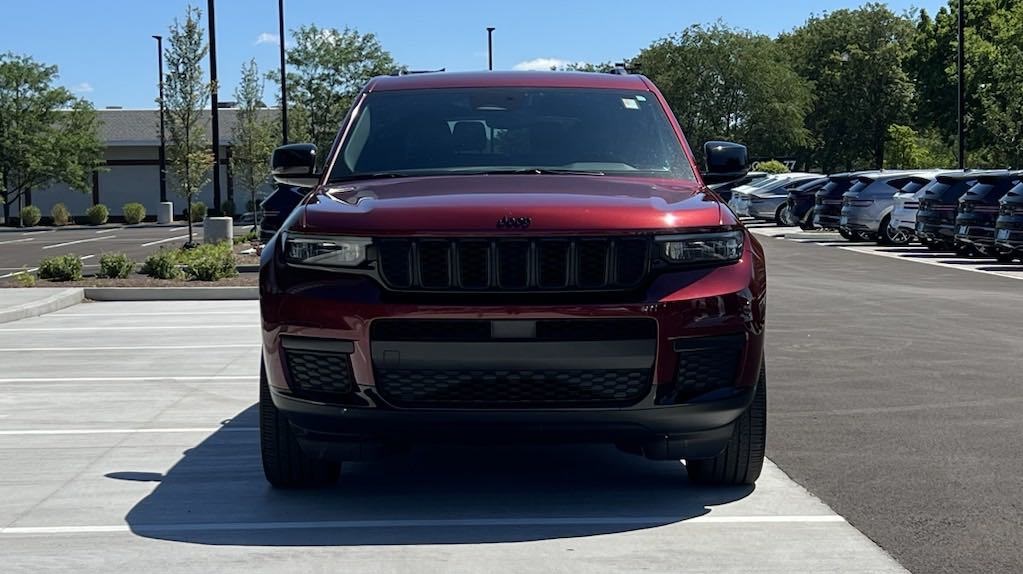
{"points": [[511, 256]]}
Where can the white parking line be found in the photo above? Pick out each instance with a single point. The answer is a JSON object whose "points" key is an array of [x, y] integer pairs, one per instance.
{"points": [[86, 257], [427, 523], [253, 312], [147, 328], [65, 244], [17, 240], [164, 240], [251, 377], [139, 348], [112, 229], [29, 270], [52, 432]]}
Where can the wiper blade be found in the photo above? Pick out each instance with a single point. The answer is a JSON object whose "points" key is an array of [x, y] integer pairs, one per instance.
{"points": [[534, 171], [379, 175]]}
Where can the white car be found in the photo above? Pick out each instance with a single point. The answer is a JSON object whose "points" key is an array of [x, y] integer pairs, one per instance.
{"points": [[764, 199]]}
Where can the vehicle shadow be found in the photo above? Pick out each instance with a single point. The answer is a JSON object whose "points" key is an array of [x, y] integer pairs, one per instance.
{"points": [[216, 494]]}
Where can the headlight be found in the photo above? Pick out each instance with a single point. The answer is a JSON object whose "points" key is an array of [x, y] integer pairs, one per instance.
{"points": [[325, 251], [702, 247]]}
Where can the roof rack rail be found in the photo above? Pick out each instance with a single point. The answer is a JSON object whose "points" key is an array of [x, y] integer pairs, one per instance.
{"points": [[408, 72]]}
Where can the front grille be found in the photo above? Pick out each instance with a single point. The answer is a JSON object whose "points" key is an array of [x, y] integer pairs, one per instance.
{"points": [[546, 264], [704, 364], [512, 389], [316, 373], [475, 330]]}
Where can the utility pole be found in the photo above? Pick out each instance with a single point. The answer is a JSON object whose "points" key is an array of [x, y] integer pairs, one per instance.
{"points": [[163, 133], [490, 47], [214, 105], [962, 85], [284, 77]]}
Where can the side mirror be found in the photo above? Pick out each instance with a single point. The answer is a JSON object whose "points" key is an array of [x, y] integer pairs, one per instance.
{"points": [[294, 165], [726, 161]]}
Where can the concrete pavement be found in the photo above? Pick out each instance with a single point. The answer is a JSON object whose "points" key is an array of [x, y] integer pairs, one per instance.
{"points": [[128, 434]]}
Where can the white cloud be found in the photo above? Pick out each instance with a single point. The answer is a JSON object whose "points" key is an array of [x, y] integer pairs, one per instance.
{"points": [[543, 64], [268, 38], [83, 88]]}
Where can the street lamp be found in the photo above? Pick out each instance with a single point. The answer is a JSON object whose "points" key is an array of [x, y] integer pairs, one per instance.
{"points": [[284, 77], [962, 87], [490, 47], [214, 105], [163, 133]]}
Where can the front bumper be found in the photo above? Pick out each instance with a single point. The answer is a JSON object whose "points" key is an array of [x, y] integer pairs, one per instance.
{"points": [[688, 308]]}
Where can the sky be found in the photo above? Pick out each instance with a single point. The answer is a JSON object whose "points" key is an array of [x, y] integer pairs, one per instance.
{"points": [[105, 52]]}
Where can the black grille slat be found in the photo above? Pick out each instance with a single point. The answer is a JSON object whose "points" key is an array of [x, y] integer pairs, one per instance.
{"points": [[314, 373], [553, 264], [513, 264], [512, 389], [705, 364], [474, 264], [631, 260], [396, 262], [592, 262], [435, 264]]}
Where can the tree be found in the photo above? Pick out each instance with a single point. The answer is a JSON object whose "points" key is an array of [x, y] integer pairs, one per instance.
{"points": [[185, 95], [855, 61], [326, 70], [46, 134], [254, 136], [724, 83], [772, 166], [907, 149]]}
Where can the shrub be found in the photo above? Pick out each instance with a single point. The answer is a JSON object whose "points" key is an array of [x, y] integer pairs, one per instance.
{"points": [[773, 166], [25, 279], [61, 216], [61, 268], [210, 262], [227, 208], [133, 213], [97, 214], [247, 238], [115, 265], [162, 265], [30, 215], [198, 211]]}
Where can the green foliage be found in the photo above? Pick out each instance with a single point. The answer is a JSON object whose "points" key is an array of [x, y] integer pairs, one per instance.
{"points": [[724, 83], [25, 278], [162, 265], [97, 214], [115, 265], [254, 137], [186, 94], [209, 262], [773, 166], [61, 268], [133, 213], [60, 215], [326, 69], [30, 215], [906, 149], [48, 135], [198, 212], [247, 238]]}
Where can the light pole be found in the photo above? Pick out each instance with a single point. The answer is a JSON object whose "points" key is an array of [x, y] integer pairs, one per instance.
{"points": [[163, 133], [214, 105], [962, 86], [490, 47], [284, 77]]}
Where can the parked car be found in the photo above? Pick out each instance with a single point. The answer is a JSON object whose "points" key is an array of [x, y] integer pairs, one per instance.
{"points": [[906, 202], [939, 204], [438, 285], [801, 202], [978, 211], [827, 209], [768, 203], [724, 190], [277, 207], [1009, 226], [867, 206]]}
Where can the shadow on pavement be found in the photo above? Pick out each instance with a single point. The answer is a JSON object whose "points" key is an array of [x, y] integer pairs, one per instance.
{"points": [[216, 494]]}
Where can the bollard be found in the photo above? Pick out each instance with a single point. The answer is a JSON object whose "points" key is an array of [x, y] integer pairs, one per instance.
{"points": [[165, 214], [217, 229]]}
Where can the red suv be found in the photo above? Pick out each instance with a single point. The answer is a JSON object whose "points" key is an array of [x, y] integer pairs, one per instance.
{"points": [[490, 257]]}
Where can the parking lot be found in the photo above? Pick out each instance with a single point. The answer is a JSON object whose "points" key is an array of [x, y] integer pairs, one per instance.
{"points": [[21, 249], [129, 436]]}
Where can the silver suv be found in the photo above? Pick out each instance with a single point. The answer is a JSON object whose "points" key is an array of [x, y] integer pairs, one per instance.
{"points": [[867, 206]]}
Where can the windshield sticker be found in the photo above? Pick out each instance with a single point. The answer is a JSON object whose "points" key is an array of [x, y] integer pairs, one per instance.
{"points": [[641, 98], [630, 104]]}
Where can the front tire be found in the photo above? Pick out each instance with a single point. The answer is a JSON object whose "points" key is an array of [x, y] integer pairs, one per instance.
{"points": [[888, 236], [284, 463], [850, 235], [782, 216], [743, 459]]}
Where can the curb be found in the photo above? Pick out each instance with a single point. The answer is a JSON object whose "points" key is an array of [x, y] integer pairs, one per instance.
{"points": [[61, 300], [247, 293]]}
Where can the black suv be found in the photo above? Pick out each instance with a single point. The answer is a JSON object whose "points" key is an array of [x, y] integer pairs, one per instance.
{"points": [[801, 201], [939, 205], [827, 210], [978, 211], [1009, 226]]}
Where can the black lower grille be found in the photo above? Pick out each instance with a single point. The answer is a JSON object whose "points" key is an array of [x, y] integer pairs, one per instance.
{"points": [[704, 364], [540, 264], [512, 389], [314, 373], [476, 330]]}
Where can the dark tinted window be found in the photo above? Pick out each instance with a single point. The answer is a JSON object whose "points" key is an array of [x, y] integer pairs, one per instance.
{"points": [[836, 187], [472, 130], [990, 191]]}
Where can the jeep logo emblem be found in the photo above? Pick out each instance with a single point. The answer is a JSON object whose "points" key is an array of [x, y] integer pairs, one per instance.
{"points": [[509, 222]]}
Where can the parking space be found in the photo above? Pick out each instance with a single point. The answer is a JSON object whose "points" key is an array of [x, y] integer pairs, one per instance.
{"points": [[25, 249], [130, 442]]}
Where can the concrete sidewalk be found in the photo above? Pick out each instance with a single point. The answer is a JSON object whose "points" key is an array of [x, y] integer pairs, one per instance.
{"points": [[31, 302]]}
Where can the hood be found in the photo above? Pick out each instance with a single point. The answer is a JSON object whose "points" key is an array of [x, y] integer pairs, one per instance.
{"points": [[451, 205]]}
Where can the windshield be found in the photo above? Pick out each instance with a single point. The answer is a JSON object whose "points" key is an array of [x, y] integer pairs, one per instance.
{"points": [[517, 130]]}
